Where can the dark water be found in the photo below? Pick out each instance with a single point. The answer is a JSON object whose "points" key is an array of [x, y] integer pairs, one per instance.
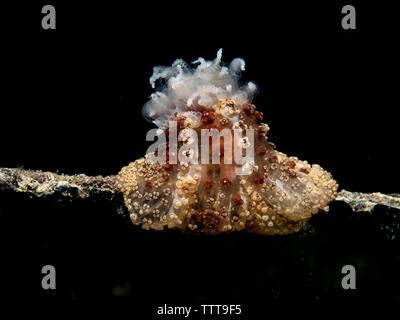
{"points": [[72, 102]]}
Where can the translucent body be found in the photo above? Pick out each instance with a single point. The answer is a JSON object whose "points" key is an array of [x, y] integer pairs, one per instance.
{"points": [[277, 197]]}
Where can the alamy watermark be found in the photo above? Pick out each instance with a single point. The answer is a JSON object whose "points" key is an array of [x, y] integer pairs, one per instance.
{"points": [[49, 280], [349, 20], [229, 146], [49, 18], [349, 280]]}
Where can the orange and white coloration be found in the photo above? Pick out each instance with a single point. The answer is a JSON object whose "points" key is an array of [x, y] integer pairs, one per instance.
{"points": [[279, 194]]}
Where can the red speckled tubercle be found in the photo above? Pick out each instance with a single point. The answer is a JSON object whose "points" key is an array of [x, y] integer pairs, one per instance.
{"points": [[277, 197]]}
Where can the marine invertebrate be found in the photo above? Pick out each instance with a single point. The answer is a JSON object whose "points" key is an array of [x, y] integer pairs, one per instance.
{"points": [[277, 195], [241, 183]]}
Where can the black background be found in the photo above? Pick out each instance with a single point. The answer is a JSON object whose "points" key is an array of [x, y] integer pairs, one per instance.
{"points": [[71, 102]]}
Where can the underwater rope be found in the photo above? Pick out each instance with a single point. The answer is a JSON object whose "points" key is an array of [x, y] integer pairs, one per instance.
{"points": [[276, 195]]}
